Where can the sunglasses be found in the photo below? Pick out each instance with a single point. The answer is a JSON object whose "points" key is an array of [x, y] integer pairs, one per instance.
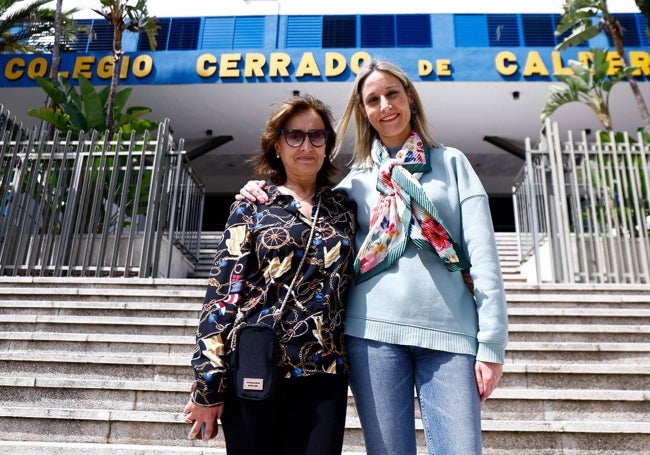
{"points": [[295, 138]]}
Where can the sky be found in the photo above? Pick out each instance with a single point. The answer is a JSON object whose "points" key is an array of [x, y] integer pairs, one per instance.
{"points": [[170, 8]]}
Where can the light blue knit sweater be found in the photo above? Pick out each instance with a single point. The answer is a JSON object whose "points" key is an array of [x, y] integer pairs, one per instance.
{"points": [[417, 301]]}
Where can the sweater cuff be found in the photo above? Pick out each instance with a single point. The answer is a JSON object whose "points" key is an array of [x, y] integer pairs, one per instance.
{"points": [[491, 352]]}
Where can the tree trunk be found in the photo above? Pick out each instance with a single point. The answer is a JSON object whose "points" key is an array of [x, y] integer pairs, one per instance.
{"points": [[56, 57], [617, 38], [117, 56]]}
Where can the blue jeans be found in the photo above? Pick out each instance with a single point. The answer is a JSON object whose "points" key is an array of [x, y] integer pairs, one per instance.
{"points": [[382, 379]]}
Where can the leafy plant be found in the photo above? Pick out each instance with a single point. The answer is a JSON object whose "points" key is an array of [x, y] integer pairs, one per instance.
{"points": [[124, 16], [29, 27], [87, 109], [588, 85], [586, 19]]}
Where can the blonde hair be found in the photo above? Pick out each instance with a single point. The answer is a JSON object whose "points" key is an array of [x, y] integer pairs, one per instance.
{"points": [[364, 133]]}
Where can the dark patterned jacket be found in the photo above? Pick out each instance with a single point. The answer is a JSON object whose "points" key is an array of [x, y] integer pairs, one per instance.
{"points": [[255, 262]]}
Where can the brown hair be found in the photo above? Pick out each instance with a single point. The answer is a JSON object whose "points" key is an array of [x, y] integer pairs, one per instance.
{"points": [[267, 165], [364, 133]]}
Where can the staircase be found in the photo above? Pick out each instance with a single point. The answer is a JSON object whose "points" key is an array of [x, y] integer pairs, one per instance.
{"points": [[102, 366]]}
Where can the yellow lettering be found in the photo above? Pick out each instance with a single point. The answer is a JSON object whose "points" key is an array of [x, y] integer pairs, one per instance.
{"points": [[425, 67], [253, 64], [642, 61], [229, 65], [534, 65], [37, 68], [83, 65], [506, 63], [585, 58], [307, 65], [105, 67], [15, 69], [615, 63], [558, 67], [334, 64], [206, 65], [357, 60], [443, 67], [142, 65], [124, 66], [279, 65]]}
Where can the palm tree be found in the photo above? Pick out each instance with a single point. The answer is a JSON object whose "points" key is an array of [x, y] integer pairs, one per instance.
{"points": [[590, 86], [122, 16], [29, 27], [578, 18], [56, 49]]}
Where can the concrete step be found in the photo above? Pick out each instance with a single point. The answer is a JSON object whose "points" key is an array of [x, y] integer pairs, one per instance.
{"points": [[96, 343], [167, 429], [509, 403], [104, 364], [96, 366], [617, 313], [567, 292], [601, 376], [154, 345], [152, 285], [43, 291], [506, 244], [625, 376], [579, 333], [616, 316], [548, 352], [90, 324], [187, 308]]}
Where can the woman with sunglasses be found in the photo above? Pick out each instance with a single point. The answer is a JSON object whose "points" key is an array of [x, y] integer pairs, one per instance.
{"points": [[261, 251]]}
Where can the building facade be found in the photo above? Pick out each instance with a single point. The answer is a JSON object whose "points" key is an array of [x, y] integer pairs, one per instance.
{"points": [[483, 71]]}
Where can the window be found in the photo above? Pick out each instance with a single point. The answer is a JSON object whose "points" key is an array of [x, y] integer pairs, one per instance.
{"points": [[470, 30], [631, 27], [102, 39], [81, 44], [304, 31], [378, 31], [162, 36], [249, 32], [184, 33], [218, 32], [339, 31], [503, 30], [413, 30], [539, 30]]}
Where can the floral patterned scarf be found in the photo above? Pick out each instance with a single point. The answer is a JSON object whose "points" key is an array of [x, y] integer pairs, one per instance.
{"points": [[404, 211]]}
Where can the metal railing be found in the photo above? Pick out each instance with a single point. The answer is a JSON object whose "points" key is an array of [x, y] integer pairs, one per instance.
{"points": [[582, 208], [96, 207]]}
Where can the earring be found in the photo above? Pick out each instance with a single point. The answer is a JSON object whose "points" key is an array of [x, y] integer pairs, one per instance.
{"points": [[414, 109], [277, 156]]}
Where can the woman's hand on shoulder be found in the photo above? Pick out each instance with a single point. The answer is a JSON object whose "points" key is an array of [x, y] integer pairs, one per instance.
{"points": [[253, 191]]}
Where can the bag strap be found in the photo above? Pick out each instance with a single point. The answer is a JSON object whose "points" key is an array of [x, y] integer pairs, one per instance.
{"points": [[278, 314]]}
